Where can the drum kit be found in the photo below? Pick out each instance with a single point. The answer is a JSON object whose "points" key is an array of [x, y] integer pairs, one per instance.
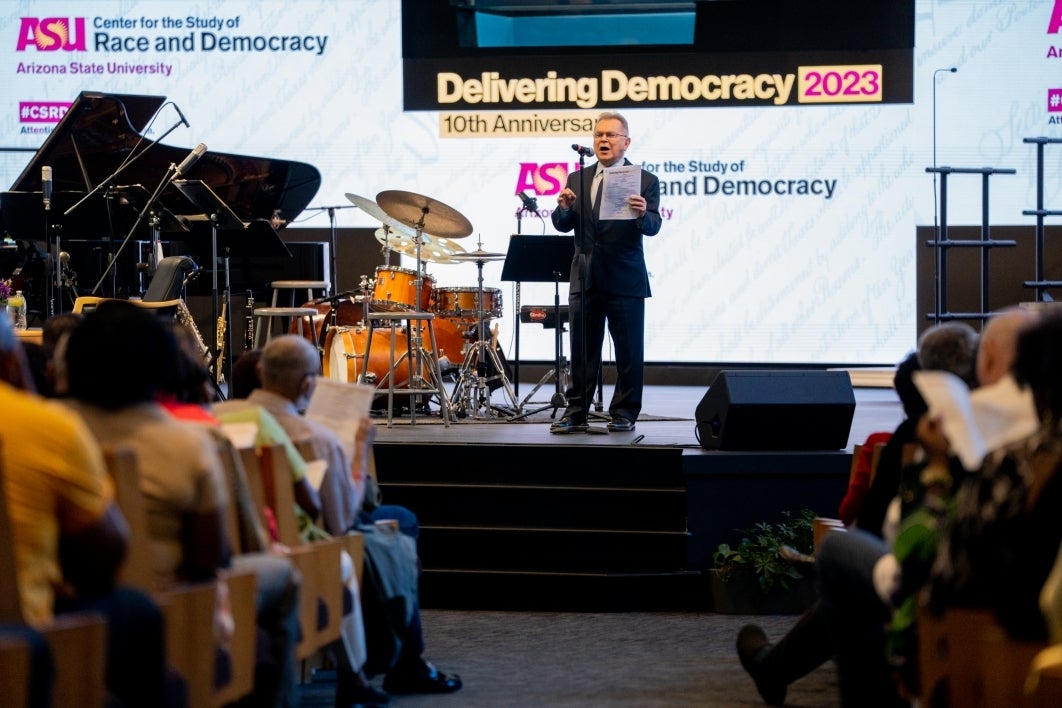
{"points": [[427, 230]]}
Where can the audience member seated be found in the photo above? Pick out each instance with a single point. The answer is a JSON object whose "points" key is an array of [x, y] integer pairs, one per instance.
{"points": [[69, 536], [808, 644], [1006, 532], [870, 588], [42, 361], [288, 369], [187, 394], [116, 362]]}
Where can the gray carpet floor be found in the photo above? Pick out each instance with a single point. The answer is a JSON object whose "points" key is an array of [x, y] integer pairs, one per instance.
{"points": [[517, 660]]}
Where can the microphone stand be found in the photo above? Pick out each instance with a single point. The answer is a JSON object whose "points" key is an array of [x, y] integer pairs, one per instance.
{"points": [[334, 287], [516, 295], [585, 217], [171, 173], [55, 292], [332, 236], [936, 199], [106, 182]]}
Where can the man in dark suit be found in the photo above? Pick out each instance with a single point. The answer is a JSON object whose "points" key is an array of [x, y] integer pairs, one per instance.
{"points": [[608, 278]]}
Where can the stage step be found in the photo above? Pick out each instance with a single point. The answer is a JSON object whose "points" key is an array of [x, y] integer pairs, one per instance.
{"points": [[567, 592], [554, 550], [545, 526]]}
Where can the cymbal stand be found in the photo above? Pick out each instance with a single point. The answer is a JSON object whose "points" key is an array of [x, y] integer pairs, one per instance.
{"points": [[472, 391], [417, 355]]}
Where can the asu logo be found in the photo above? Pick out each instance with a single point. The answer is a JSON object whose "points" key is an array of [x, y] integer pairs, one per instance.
{"points": [[51, 34], [1055, 23], [546, 178]]}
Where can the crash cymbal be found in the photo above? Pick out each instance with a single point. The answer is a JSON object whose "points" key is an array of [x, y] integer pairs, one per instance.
{"points": [[480, 255], [399, 242], [424, 214], [373, 209], [432, 249]]}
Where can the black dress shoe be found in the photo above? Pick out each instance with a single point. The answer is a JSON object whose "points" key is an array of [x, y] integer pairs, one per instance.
{"points": [[353, 690], [423, 678], [619, 424], [564, 426], [752, 646]]}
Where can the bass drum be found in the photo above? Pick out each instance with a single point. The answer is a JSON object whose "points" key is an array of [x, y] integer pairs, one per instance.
{"points": [[349, 314], [345, 353]]}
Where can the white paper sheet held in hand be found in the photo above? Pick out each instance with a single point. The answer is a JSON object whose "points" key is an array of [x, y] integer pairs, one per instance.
{"points": [[979, 421], [340, 406], [620, 183]]}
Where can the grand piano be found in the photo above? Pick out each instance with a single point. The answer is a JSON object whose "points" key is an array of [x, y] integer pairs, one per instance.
{"points": [[101, 132]]}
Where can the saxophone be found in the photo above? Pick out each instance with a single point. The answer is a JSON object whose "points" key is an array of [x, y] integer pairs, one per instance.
{"points": [[185, 318], [219, 363]]}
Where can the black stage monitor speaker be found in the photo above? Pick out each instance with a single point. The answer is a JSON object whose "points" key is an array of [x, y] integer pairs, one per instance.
{"points": [[776, 410]]}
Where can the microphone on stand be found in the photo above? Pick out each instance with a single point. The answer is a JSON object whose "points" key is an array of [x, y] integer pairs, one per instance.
{"points": [[530, 203], [193, 157], [584, 151], [46, 187], [183, 119]]}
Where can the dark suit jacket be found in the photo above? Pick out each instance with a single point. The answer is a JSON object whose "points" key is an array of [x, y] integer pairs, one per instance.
{"points": [[612, 249]]}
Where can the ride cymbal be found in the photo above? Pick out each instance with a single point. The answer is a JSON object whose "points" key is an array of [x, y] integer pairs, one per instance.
{"points": [[424, 214]]}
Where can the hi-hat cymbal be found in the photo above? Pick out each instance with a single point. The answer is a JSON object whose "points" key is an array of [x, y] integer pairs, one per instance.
{"points": [[479, 255], [442, 250], [373, 209], [424, 214]]}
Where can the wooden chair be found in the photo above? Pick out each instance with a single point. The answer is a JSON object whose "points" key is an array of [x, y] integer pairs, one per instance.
{"points": [[823, 525], [14, 671], [321, 594], [87, 303], [78, 641], [967, 660], [353, 542], [188, 608]]}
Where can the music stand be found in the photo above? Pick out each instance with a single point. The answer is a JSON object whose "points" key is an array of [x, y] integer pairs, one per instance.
{"points": [[541, 259], [222, 219]]}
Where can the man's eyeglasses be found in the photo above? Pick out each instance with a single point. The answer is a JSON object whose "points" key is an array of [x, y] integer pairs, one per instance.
{"points": [[610, 136]]}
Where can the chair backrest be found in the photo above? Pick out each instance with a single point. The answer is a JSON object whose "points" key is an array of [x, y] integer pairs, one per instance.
{"points": [[14, 671], [138, 569], [279, 491], [169, 278], [10, 598], [87, 303], [967, 657], [77, 640]]}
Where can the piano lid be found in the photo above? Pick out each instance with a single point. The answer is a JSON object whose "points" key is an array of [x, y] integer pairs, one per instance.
{"points": [[101, 131]]}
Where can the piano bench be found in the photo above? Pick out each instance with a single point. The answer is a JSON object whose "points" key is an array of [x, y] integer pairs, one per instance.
{"points": [[266, 317], [294, 286]]}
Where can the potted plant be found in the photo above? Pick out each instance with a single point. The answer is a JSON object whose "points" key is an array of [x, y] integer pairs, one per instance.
{"points": [[754, 578]]}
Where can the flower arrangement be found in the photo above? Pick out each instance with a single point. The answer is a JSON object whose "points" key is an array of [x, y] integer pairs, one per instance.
{"points": [[6, 290]]}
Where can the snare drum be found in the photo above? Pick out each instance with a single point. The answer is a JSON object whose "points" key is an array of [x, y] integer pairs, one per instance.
{"points": [[350, 313], [461, 303], [395, 290]]}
